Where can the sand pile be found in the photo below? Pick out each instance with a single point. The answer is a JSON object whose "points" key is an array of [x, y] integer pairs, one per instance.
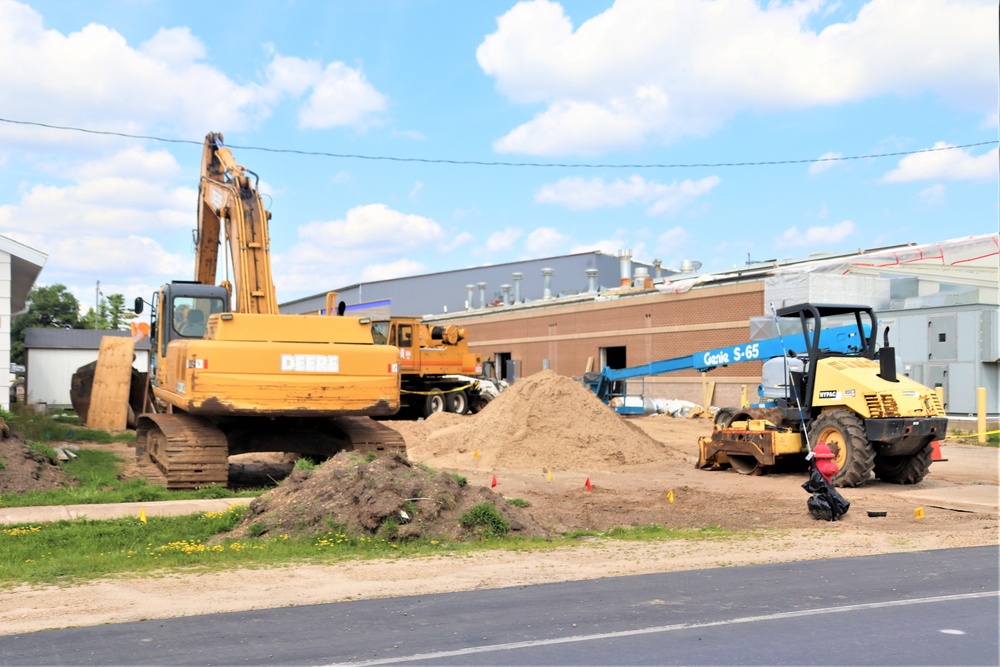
{"points": [[544, 421], [369, 497]]}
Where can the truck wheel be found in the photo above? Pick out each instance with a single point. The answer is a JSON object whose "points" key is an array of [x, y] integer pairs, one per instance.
{"points": [[477, 404], [904, 469], [844, 433], [433, 403], [457, 402]]}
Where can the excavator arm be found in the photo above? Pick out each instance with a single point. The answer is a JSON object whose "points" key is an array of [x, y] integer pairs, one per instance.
{"points": [[231, 205]]}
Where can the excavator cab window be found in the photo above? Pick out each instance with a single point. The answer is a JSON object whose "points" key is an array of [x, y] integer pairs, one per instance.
{"points": [[191, 314], [380, 332]]}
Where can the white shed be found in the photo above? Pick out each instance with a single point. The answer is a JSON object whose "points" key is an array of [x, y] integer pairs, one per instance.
{"points": [[53, 355], [19, 268]]}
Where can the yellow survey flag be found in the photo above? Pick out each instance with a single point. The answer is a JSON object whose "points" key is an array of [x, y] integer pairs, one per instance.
{"points": [[548, 477], [918, 513], [670, 495], [475, 454], [142, 514]]}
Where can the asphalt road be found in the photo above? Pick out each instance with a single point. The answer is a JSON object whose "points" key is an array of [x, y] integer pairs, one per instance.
{"points": [[933, 607]]}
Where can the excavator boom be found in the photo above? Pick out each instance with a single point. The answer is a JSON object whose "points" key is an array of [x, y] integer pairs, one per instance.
{"points": [[230, 204]]}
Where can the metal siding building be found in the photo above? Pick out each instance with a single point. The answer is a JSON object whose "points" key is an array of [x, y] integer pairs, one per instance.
{"points": [[447, 291], [53, 355]]}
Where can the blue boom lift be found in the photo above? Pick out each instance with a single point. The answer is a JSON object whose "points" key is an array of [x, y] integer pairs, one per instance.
{"points": [[609, 383]]}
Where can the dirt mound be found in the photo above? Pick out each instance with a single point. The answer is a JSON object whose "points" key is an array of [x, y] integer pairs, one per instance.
{"points": [[546, 421], [388, 496], [23, 469]]}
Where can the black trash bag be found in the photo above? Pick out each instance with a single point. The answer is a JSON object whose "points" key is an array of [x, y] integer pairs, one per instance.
{"points": [[825, 503]]}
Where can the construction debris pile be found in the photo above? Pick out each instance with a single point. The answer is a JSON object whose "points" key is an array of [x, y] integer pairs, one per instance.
{"points": [[545, 421], [386, 496]]}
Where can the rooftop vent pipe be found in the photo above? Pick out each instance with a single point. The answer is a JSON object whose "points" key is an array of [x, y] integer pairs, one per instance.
{"points": [[641, 277], [468, 296], [690, 266], [592, 281], [547, 283], [517, 286], [505, 289], [625, 259], [657, 269], [482, 295]]}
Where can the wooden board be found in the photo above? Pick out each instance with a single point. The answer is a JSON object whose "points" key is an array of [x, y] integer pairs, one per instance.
{"points": [[109, 396]]}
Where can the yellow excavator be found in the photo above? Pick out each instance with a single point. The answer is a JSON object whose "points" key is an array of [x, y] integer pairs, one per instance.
{"points": [[229, 379]]}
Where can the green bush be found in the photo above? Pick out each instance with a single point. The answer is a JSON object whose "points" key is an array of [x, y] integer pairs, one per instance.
{"points": [[305, 464], [485, 520], [462, 481], [518, 502]]}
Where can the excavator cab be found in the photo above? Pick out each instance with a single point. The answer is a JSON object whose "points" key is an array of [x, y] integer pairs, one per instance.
{"points": [[181, 310]]}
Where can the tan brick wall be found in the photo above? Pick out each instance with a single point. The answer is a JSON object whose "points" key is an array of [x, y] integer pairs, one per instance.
{"points": [[651, 326]]}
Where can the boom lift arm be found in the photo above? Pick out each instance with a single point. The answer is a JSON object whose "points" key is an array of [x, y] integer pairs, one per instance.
{"points": [[844, 340]]}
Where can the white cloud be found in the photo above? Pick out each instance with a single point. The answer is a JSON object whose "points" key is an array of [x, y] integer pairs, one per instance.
{"points": [[949, 165], [816, 237], [398, 269], [95, 78], [461, 239], [372, 227], [417, 188], [502, 240], [673, 242], [825, 162], [131, 191], [933, 196], [546, 241], [370, 240], [647, 70], [130, 265], [342, 96], [576, 193]]}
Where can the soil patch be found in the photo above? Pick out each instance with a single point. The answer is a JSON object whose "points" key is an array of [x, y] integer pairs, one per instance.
{"points": [[23, 469], [387, 496]]}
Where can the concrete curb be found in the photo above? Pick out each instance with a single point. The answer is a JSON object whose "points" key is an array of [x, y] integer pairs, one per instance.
{"points": [[47, 513]]}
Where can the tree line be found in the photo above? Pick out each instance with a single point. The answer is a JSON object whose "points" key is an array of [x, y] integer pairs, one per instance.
{"points": [[53, 307]]}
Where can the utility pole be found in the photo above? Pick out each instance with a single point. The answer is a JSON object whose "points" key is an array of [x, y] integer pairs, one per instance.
{"points": [[97, 302]]}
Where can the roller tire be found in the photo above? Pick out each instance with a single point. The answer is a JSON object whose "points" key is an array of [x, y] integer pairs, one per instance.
{"points": [[904, 469], [844, 432], [434, 402], [457, 402], [724, 417]]}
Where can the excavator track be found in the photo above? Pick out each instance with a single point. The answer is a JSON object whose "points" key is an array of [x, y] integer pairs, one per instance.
{"points": [[181, 451], [367, 435]]}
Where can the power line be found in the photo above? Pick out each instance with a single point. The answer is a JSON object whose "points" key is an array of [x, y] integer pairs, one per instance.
{"points": [[484, 163]]}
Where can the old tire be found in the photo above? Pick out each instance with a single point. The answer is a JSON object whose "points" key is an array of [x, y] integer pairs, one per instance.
{"points": [[844, 433], [433, 403], [904, 469], [457, 402]]}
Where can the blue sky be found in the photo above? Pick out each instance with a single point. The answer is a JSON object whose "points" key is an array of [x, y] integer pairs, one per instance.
{"points": [[633, 82]]}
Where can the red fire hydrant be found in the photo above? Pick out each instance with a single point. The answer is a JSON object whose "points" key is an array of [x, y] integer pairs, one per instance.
{"points": [[824, 461]]}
